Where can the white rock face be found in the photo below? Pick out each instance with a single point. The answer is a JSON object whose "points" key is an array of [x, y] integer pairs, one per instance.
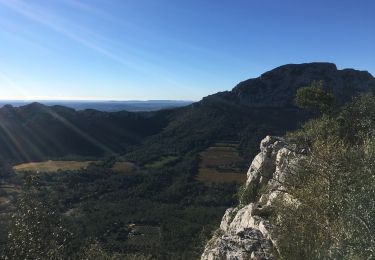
{"points": [[245, 232], [243, 219], [227, 219]]}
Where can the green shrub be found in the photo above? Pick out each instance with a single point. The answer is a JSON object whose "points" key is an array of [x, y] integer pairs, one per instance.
{"points": [[335, 188], [247, 194], [315, 97]]}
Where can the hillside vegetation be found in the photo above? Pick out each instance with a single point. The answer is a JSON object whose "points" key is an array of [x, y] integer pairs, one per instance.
{"points": [[335, 188]]}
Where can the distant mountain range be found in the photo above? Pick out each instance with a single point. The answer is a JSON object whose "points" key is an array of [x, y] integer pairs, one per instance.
{"points": [[106, 106], [254, 108]]}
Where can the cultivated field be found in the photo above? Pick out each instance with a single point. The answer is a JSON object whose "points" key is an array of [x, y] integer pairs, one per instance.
{"points": [[123, 167], [55, 166], [51, 166], [221, 163]]}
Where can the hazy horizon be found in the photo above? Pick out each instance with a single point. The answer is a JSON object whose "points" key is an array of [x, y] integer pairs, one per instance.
{"points": [[98, 100], [104, 105]]}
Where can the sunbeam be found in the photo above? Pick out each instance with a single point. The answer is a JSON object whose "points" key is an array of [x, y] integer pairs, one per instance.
{"points": [[19, 146], [81, 133], [57, 24]]}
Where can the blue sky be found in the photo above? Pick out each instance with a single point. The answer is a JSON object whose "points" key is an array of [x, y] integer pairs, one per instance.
{"points": [[171, 49]]}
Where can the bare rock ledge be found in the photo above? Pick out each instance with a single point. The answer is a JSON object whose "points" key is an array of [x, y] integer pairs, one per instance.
{"points": [[245, 231]]}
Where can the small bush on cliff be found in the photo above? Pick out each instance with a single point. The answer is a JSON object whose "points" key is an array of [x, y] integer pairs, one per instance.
{"points": [[335, 188], [246, 194]]}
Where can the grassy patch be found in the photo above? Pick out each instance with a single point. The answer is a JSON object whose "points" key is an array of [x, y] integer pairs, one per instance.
{"points": [[233, 144], [161, 162], [54, 166], [51, 166], [123, 167]]}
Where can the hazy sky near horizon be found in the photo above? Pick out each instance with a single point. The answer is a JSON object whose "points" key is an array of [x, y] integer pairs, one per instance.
{"points": [[169, 49]]}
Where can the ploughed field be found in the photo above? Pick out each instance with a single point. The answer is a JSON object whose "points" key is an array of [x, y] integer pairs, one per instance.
{"points": [[222, 163]]}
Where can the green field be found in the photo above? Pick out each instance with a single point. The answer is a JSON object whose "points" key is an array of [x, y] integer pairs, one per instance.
{"points": [[159, 163], [220, 163]]}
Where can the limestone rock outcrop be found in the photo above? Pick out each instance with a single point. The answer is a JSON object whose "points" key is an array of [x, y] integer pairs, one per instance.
{"points": [[245, 231]]}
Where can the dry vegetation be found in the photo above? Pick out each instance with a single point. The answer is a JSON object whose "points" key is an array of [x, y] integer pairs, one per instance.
{"points": [[4, 200], [123, 167], [219, 163], [52, 166]]}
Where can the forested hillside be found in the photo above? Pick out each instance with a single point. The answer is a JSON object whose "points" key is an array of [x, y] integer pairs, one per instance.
{"points": [[36, 132]]}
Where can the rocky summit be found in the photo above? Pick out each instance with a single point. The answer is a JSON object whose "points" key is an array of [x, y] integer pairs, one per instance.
{"points": [[245, 231], [277, 87]]}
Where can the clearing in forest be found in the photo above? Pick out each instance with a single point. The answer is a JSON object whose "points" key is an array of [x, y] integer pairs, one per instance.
{"points": [[51, 166], [222, 163]]}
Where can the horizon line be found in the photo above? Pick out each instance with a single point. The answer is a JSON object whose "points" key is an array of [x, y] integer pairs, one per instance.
{"points": [[96, 100]]}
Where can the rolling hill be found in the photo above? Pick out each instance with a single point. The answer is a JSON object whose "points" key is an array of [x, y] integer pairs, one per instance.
{"points": [[252, 109], [36, 132]]}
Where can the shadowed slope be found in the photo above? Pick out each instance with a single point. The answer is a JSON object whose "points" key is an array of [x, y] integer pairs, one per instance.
{"points": [[254, 108], [36, 132]]}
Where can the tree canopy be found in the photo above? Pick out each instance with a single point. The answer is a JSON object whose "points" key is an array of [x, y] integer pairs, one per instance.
{"points": [[315, 97]]}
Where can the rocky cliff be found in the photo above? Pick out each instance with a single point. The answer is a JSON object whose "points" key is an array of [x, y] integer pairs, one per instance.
{"points": [[277, 87], [245, 231]]}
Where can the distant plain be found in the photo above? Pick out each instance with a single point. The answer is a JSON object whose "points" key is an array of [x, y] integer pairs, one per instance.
{"points": [[107, 106]]}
